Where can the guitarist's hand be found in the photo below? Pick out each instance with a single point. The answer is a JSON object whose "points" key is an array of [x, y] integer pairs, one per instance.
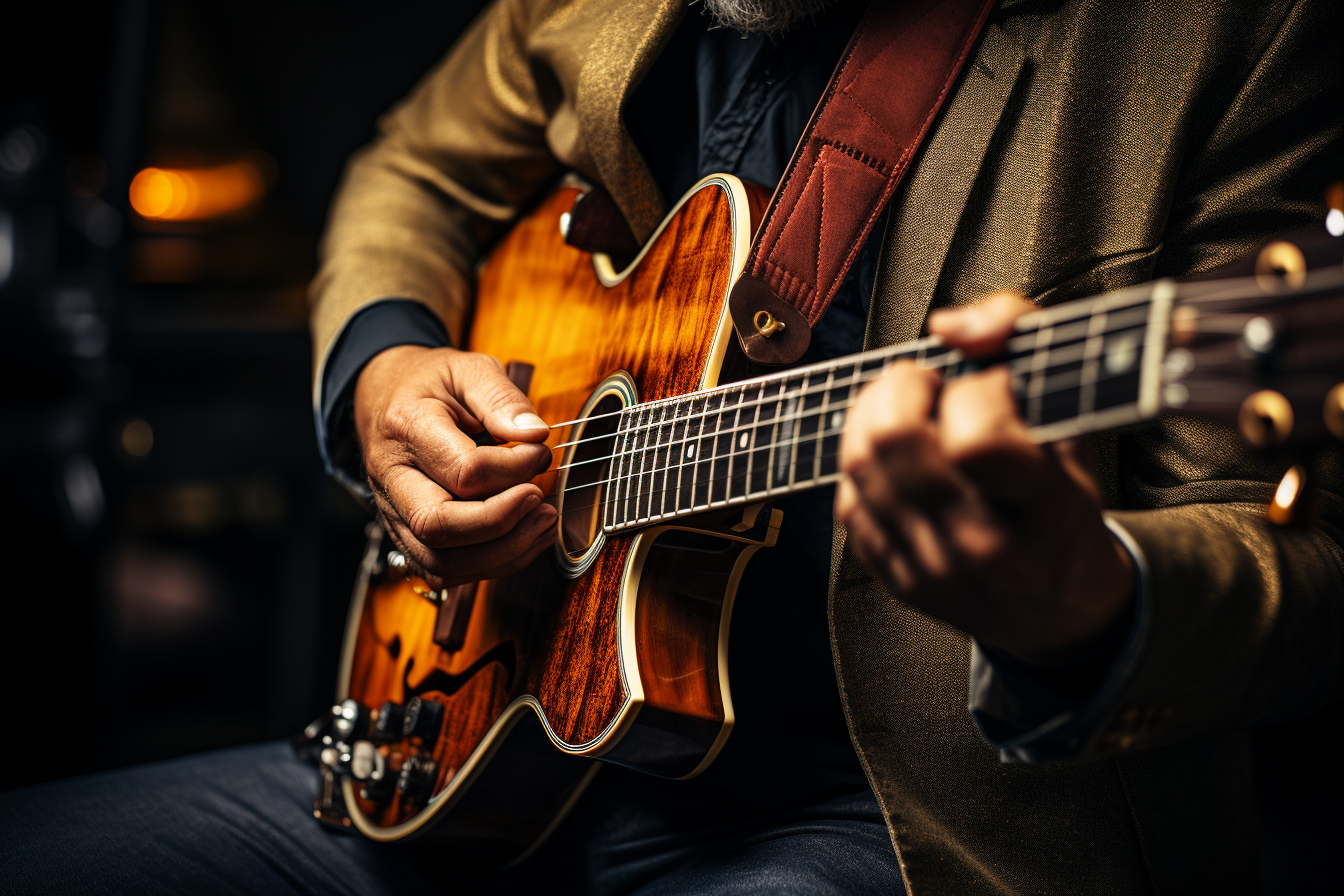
{"points": [[962, 516], [458, 511]]}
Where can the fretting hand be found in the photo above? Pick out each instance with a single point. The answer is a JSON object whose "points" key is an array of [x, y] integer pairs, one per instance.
{"points": [[458, 511], [962, 516]]}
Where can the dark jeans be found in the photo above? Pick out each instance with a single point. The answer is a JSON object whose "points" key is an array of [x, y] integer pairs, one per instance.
{"points": [[240, 821]]}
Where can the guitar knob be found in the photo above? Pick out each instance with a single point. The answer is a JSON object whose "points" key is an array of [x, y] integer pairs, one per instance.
{"points": [[416, 780], [387, 727], [422, 719], [349, 720]]}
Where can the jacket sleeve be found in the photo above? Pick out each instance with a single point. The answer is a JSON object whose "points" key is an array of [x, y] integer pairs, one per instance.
{"points": [[451, 166], [1246, 619]]}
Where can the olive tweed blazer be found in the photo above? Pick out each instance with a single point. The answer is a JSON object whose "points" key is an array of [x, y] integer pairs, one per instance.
{"points": [[1088, 146]]}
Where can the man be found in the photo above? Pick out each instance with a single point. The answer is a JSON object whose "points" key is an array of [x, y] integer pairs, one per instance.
{"points": [[1084, 148]]}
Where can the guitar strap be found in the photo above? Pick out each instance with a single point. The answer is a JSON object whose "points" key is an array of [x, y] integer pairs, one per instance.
{"points": [[878, 108]]}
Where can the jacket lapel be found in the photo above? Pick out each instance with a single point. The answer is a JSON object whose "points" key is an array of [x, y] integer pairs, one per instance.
{"points": [[926, 214], [632, 36]]}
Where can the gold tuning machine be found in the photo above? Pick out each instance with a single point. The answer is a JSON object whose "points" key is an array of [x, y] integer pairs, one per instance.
{"points": [[1265, 419], [1334, 411]]}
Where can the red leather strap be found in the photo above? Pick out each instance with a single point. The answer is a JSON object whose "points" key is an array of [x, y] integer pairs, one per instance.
{"points": [[891, 82]]}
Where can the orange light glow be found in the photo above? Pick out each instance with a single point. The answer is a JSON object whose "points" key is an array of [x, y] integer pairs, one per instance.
{"points": [[196, 194]]}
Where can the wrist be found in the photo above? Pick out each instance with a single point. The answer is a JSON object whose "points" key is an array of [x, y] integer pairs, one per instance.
{"points": [[1105, 603]]}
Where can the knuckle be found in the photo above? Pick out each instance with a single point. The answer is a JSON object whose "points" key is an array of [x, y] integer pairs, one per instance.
{"points": [[424, 522]]}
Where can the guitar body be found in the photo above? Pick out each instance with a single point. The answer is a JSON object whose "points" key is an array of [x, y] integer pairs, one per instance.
{"points": [[611, 647]]}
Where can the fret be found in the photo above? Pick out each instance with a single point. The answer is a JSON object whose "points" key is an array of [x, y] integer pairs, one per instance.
{"points": [[681, 496], [620, 510], [1036, 384], [804, 448], [763, 453], [637, 462], [795, 429], [739, 440], [781, 457], [703, 447], [748, 481], [833, 420], [821, 424], [658, 475], [1092, 349]]}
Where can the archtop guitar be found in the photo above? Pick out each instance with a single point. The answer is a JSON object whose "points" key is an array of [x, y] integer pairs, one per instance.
{"points": [[481, 712]]}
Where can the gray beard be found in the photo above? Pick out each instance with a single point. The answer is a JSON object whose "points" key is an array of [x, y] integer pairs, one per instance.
{"points": [[763, 16]]}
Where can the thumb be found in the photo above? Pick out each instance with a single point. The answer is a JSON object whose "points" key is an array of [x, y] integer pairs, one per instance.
{"points": [[498, 404]]}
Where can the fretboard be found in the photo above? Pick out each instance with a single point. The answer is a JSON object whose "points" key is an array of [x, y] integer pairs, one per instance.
{"points": [[1076, 368]]}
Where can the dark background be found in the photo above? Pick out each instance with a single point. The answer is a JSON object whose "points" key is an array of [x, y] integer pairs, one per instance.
{"points": [[190, 596]]}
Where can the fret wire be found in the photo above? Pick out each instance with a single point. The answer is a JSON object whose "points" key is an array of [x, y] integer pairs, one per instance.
{"points": [[1096, 341], [632, 513], [653, 462], [648, 461], [770, 442], [1040, 356], [622, 468], [797, 430], [695, 476], [700, 448], [735, 442], [732, 441], [825, 399], [675, 439], [752, 440]]}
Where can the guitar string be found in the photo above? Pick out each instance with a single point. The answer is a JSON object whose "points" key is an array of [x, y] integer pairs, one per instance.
{"points": [[735, 454], [1051, 385], [912, 348], [1021, 363]]}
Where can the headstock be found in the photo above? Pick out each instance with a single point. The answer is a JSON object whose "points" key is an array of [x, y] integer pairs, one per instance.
{"points": [[1263, 350]]}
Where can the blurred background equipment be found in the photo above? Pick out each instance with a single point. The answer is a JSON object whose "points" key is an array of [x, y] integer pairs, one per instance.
{"points": [[175, 564]]}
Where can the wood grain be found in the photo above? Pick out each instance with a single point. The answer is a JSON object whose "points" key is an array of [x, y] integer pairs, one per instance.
{"points": [[540, 303]]}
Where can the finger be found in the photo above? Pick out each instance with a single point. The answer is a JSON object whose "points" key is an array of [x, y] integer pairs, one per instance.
{"points": [[436, 519], [424, 433], [872, 545], [496, 402], [486, 560], [982, 434], [896, 406], [980, 329]]}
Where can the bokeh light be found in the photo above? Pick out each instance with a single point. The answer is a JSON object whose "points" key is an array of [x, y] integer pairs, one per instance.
{"points": [[196, 194]]}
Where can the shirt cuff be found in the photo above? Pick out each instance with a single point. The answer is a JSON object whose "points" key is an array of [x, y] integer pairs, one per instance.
{"points": [[1029, 715], [375, 328]]}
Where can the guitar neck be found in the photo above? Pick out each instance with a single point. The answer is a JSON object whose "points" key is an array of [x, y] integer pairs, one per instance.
{"points": [[1080, 367]]}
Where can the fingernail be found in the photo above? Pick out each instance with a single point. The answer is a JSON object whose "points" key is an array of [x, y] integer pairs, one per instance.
{"points": [[529, 421]]}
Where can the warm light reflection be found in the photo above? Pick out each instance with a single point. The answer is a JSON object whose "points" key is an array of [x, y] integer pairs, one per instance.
{"points": [[196, 194]]}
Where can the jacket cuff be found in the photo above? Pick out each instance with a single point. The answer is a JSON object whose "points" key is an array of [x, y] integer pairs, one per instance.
{"points": [[375, 328], [1027, 714]]}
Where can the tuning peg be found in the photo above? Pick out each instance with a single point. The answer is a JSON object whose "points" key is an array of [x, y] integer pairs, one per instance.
{"points": [[1280, 263], [1334, 411], [1265, 419]]}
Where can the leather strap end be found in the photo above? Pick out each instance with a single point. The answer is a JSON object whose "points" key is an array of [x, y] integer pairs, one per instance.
{"points": [[770, 330]]}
